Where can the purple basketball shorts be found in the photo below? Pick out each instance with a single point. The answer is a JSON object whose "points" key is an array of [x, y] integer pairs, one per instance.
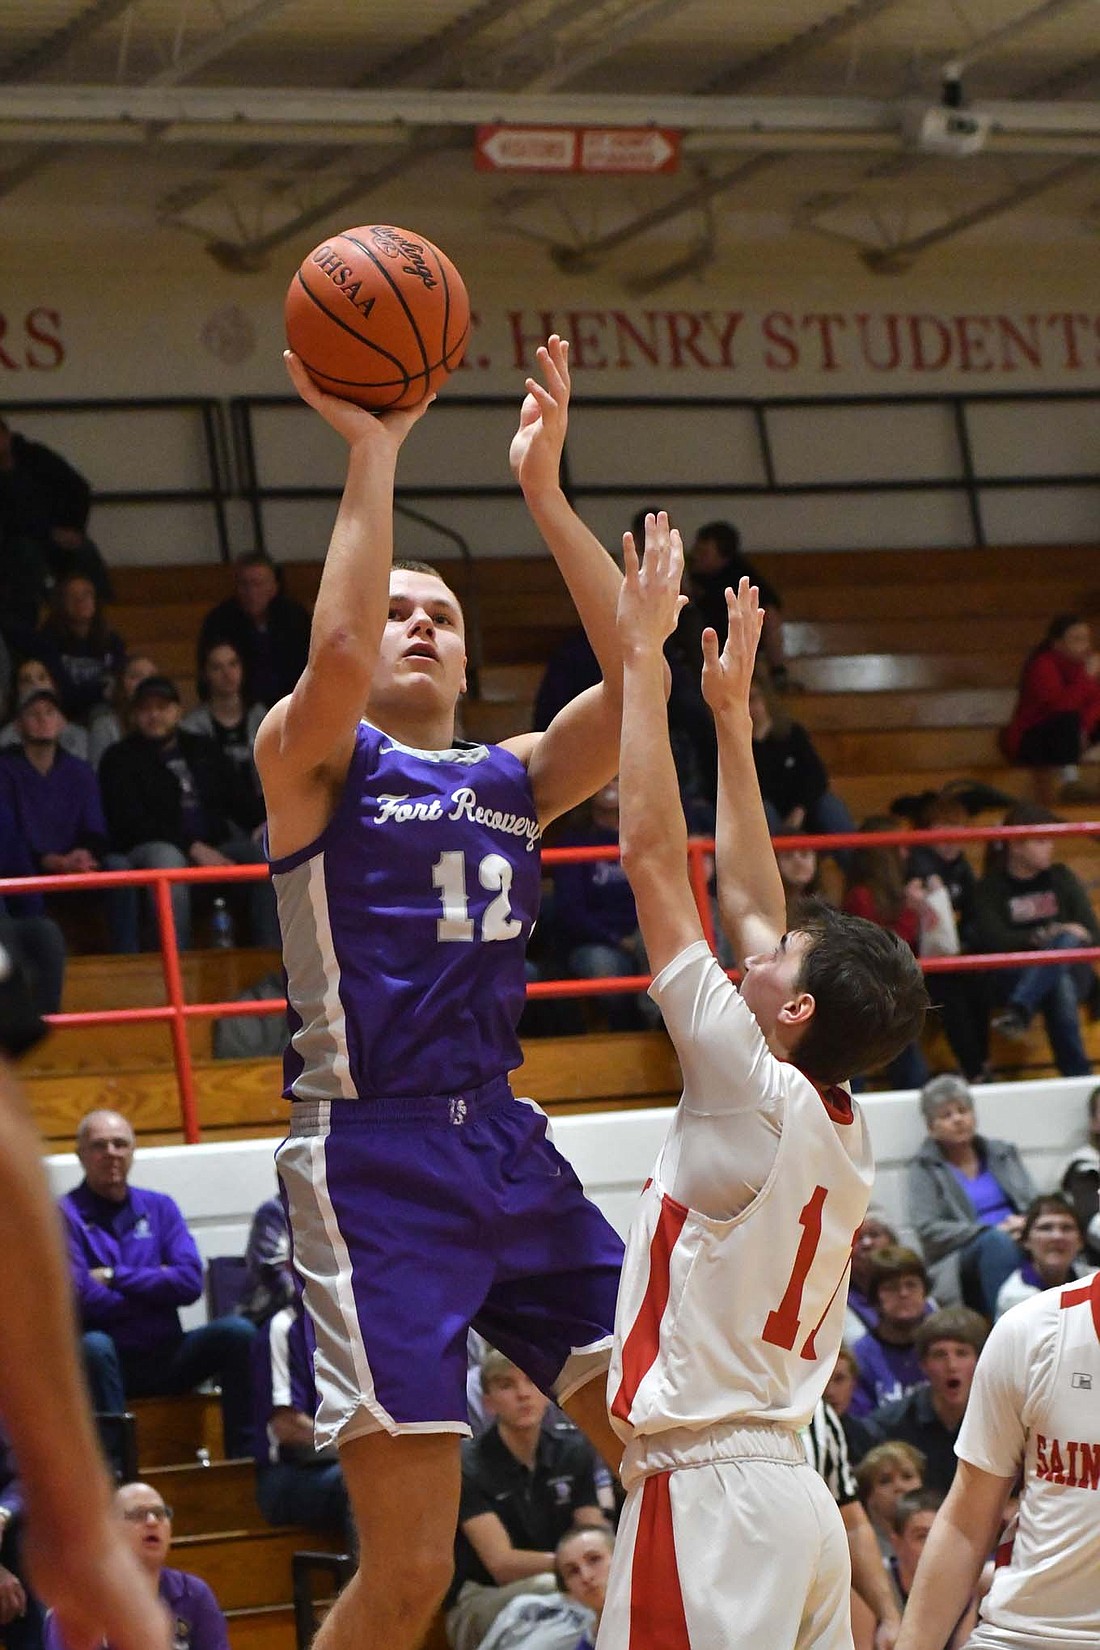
{"points": [[414, 1220]]}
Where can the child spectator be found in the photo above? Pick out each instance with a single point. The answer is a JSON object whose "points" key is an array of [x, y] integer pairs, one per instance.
{"points": [[1026, 901], [886, 1355], [1081, 1181], [887, 1471], [84, 653], [1057, 714], [1052, 1240]]}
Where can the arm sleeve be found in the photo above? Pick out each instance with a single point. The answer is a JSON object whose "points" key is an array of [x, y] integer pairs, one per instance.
{"points": [[723, 1055], [177, 1281], [1048, 690], [584, 1478], [993, 1435]]}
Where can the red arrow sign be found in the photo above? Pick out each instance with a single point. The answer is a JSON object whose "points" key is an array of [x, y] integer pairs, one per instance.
{"points": [[606, 149]]}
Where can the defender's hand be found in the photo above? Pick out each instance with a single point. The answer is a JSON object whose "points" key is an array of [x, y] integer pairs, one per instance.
{"points": [[536, 449], [727, 676], [650, 599]]}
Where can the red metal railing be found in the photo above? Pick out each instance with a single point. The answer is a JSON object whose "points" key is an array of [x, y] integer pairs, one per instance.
{"points": [[177, 1011]]}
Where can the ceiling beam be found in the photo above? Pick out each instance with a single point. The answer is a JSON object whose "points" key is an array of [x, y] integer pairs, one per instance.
{"points": [[186, 113], [798, 46], [55, 46]]}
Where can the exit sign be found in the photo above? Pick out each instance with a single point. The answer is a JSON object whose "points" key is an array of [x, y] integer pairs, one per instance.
{"points": [[592, 149]]}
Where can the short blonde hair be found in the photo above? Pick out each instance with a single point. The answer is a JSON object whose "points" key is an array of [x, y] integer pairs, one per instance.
{"points": [[894, 1453], [495, 1367]]}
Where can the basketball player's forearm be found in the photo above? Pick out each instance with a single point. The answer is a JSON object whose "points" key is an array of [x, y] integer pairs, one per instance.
{"points": [[353, 595], [590, 575], [652, 829], [749, 883], [946, 1577], [869, 1576], [59, 1461]]}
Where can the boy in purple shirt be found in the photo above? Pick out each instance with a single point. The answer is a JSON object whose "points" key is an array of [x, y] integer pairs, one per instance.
{"points": [[887, 1354], [196, 1618]]}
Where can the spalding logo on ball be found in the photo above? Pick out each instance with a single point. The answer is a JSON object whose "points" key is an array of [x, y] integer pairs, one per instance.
{"points": [[378, 316]]}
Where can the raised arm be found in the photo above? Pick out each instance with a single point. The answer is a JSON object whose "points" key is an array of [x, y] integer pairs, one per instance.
{"points": [[314, 728], [579, 751], [652, 829], [750, 890]]}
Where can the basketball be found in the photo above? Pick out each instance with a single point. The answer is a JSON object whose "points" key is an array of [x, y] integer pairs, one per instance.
{"points": [[378, 316]]}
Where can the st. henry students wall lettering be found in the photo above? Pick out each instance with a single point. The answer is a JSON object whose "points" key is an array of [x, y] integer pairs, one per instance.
{"points": [[31, 342]]}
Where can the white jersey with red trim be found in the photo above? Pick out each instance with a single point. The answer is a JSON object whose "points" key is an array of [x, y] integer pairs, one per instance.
{"points": [[1035, 1404], [732, 1299]]}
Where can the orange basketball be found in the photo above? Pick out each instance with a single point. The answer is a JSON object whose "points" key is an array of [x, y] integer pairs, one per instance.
{"points": [[378, 316]]}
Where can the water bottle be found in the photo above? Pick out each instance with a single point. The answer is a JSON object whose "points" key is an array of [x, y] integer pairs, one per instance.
{"points": [[221, 926]]}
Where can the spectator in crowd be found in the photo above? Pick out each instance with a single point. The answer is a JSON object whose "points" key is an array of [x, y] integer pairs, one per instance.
{"points": [[173, 799], [800, 871], [54, 796], [1052, 1239], [1026, 901], [21, 1615], [32, 673], [793, 779], [197, 1619], [570, 1618], [594, 916], [876, 889], [134, 1264], [296, 1483], [1081, 1181], [967, 1194], [84, 653], [44, 505], [229, 715], [962, 999], [929, 1417], [886, 1355], [887, 1471], [39, 940], [269, 1276], [873, 1236], [524, 1484], [838, 1396], [715, 562], [269, 630], [1057, 714], [117, 719]]}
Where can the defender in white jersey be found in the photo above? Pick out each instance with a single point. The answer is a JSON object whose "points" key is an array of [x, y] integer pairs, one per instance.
{"points": [[732, 1300], [1034, 1410]]}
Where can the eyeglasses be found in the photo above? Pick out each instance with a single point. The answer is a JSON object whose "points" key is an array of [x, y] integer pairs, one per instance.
{"points": [[142, 1515]]}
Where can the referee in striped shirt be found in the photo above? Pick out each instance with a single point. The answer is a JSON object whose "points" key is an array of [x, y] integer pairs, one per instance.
{"points": [[827, 1452]]}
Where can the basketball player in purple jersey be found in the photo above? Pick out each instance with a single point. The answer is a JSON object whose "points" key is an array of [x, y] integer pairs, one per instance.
{"points": [[424, 1198]]}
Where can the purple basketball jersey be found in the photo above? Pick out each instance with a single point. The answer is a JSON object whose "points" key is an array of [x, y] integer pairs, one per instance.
{"points": [[405, 925]]}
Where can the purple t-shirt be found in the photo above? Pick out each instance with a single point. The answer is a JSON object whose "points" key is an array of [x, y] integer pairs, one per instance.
{"points": [[885, 1372], [197, 1621], [406, 922], [987, 1195]]}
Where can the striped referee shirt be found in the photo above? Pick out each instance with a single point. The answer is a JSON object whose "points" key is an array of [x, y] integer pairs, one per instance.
{"points": [[827, 1452]]}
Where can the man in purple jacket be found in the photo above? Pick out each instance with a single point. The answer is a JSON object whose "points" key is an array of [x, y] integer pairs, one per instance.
{"points": [[134, 1264], [197, 1620]]}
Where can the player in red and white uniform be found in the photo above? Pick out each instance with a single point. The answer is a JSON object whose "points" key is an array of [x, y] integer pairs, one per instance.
{"points": [[732, 1300], [1034, 1408]]}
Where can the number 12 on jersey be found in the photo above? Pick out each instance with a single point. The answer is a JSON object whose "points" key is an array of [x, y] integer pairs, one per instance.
{"points": [[494, 873], [783, 1323]]}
